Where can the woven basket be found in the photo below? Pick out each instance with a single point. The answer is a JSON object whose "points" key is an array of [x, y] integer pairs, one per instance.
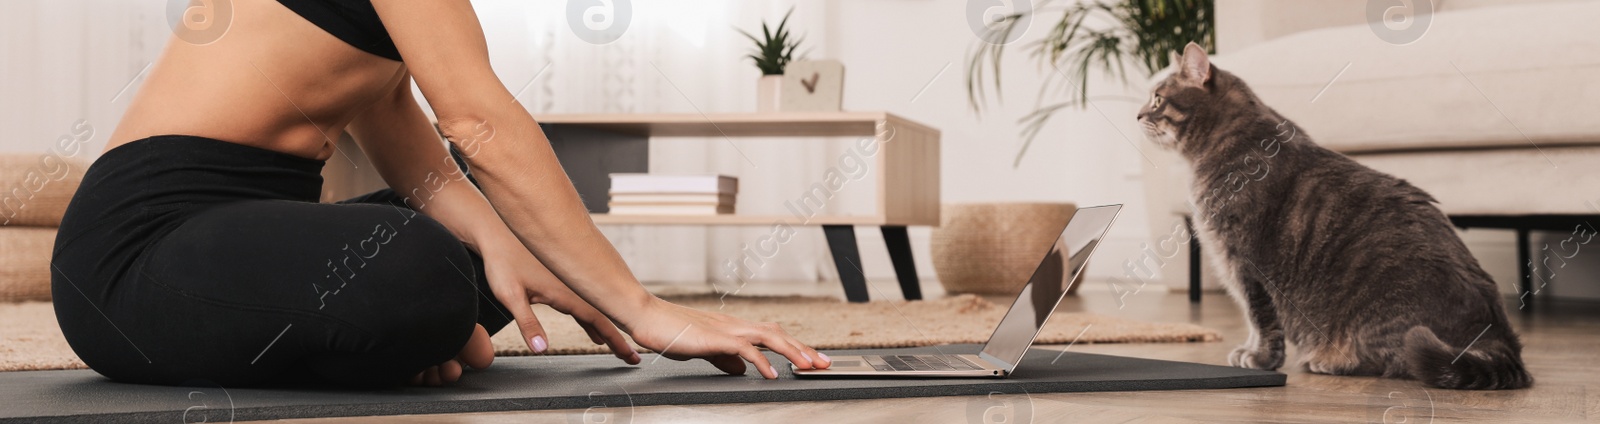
{"points": [[34, 192], [35, 189], [25, 263], [992, 248]]}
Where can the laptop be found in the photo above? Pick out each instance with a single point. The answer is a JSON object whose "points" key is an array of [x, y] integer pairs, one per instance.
{"points": [[1022, 322]]}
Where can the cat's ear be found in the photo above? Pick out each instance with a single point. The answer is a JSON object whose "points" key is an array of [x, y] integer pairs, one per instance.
{"points": [[1195, 66]]}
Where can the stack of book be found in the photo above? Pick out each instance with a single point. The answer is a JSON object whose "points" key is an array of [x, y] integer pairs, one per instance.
{"points": [[652, 194]]}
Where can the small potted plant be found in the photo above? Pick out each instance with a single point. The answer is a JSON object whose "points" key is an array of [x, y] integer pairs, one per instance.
{"points": [[774, 50]]}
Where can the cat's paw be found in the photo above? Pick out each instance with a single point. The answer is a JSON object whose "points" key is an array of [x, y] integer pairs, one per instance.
{"points": [[1250, 357], [1324, 368]]}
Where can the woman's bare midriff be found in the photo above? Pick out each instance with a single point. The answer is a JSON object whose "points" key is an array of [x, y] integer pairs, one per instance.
{"points": [[273, 80]]}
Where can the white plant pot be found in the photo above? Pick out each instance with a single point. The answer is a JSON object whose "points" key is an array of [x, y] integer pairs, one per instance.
{"points": [[768, 91]]}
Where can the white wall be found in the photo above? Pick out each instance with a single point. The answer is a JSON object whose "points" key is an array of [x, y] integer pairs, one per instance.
{"points": [[65, 61], [62, 62], [1247, 22]]}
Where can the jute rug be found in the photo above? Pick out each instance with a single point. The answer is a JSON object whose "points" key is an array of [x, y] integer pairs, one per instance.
{"points": [[31, 340]]}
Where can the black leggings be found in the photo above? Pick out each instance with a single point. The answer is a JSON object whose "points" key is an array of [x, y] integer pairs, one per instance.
{"points": [[187, 260]]}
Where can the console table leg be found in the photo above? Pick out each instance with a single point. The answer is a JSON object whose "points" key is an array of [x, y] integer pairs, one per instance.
{"points": [[847, 257], [1194, 262], [905, 268], [1525, 270]]}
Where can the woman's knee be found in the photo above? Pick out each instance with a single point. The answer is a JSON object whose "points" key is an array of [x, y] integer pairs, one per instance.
{"points": [[422, 300], [416, 262]]}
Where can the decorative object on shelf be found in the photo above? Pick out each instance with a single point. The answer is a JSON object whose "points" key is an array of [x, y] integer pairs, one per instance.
{"points": [[655, 194], [812, 86], [769, 92], [774, 50], [993, 248], [1145, 32]]}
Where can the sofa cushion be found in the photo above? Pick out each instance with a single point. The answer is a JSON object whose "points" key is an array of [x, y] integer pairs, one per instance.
{"points": [[1524, 181], [1514, 76], [25, 263], [35, 189]]}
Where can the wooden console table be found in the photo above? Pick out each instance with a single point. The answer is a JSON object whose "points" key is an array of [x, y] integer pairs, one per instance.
{"points": [[592, 146]]}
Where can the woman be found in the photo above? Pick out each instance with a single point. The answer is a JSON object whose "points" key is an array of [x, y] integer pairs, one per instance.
{"points": [[195, 249]]}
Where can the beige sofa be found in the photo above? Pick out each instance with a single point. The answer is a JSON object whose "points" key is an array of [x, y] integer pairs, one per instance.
{"points": [[1495, 111]]}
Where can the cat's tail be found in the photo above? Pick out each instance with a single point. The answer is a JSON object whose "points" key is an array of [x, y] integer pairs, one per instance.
{"points": [[1489, 365]]}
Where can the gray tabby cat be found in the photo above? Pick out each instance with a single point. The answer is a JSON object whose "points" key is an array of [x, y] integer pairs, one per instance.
{"points": [[1357, 268]]}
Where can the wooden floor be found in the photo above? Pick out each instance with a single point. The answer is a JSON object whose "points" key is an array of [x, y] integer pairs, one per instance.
{"points": [[1563, 352]]}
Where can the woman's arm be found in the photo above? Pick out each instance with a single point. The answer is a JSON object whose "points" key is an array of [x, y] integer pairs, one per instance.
{"points": [[444, 49], [397, 137]]}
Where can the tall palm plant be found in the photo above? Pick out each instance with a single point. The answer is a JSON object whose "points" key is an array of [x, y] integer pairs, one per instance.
{"points": [[1103, 35]]}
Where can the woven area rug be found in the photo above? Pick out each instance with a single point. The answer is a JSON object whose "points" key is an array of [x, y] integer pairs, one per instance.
{"points": [[31, 340]]}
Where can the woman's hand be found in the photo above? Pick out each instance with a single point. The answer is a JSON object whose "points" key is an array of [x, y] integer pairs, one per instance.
{"points": [[518, 279], [680, 333]]}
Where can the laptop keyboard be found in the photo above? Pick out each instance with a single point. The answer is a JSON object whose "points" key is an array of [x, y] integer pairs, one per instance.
{"points": [[920, 363]]}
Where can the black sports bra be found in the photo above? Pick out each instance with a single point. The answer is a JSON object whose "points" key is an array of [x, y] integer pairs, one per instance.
{"points": [[354, 21]]}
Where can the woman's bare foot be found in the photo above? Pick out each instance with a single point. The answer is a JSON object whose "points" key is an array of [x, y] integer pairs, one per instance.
{"points": [[478, 354]]}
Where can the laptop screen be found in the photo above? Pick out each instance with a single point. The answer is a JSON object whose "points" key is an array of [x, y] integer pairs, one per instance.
{"points": [[1049, 284]]}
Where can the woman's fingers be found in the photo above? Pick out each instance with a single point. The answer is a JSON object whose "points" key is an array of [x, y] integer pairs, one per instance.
{"points": [[592, 321], [532, 332], [619, 345], [815, 359], [772, 336], [818, 360], [730, 364], [777, 343], [602, 332], [588, 328], [753, 355]]}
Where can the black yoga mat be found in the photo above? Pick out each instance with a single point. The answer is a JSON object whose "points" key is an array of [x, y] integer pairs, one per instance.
{"points": [[596, 384]]}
